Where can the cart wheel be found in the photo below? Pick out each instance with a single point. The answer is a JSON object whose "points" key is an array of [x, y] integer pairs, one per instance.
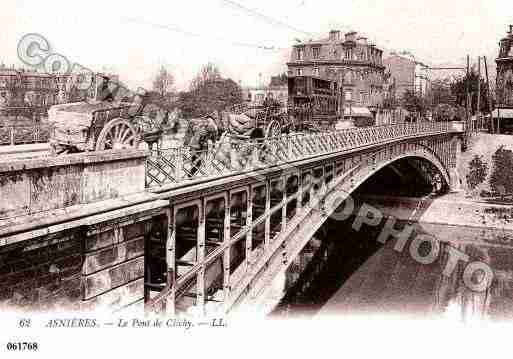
{"points": [[116, 135], [273, 129]]}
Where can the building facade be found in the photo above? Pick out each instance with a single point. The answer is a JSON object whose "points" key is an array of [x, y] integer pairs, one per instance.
{"points": [[505, 71], [30, 89], [351, 60], [422, 82], [20, 88], [402, 73], [503, 113]]}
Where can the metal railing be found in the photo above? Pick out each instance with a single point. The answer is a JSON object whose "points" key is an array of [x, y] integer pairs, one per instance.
{"points": [[178, 165]]}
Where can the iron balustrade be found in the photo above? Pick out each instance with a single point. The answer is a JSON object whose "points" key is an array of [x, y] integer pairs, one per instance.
{"points": [[179, 165]]}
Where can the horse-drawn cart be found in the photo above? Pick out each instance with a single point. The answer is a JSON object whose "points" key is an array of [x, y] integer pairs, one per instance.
{"points": [[258, 121], [98, 126]]}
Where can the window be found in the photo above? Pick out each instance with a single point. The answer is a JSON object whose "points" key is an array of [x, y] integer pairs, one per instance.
{"points": [[300, 51], [348, 54], [315, 71], [315, 52], [349, 95], [348, 77], [299, 72]]}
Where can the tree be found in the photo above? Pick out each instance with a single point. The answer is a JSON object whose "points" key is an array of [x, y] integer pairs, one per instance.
{"points": [[440, 92], [501, 179], [459, 90], [163, 82], [477, 172], [212, 94], [413, 103], [208, 72]]}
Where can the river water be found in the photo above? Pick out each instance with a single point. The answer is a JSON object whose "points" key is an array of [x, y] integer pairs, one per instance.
{"points": [[428, 279]]}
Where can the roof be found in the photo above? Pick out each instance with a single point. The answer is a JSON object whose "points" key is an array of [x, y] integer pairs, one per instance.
{"points": [[503, 113]]}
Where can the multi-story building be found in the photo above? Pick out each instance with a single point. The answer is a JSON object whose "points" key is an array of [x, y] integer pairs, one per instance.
{"points": [[355, 63], [402, 73], [30, 89], [422, 82], [504, 91], [19, 88], [505, 71]]}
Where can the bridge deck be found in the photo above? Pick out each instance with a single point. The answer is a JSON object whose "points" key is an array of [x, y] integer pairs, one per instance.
{"points": [[173, 167]]}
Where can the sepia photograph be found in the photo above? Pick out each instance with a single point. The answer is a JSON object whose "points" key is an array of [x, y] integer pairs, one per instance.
{"points": [[296, 178]]}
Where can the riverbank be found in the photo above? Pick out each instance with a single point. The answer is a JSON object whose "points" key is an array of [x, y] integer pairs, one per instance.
{"points": [[483, 145], [450, 209]]}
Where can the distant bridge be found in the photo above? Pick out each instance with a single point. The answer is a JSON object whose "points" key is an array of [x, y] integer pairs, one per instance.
{"points": [[177, 230]]}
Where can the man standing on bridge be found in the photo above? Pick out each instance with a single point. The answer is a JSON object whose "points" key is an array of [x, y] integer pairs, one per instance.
{"points": [[197, 136]]}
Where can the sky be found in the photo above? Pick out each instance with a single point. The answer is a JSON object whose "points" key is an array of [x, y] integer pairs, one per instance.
{"points": [[249, 40]]}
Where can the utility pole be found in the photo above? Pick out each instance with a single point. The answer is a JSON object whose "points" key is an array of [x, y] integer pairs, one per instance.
{"points": [[478, 93], [489, 95], [467, 97]]}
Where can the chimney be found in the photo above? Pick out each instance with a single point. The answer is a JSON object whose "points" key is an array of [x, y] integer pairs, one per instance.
{"points": [[334, 35], [350, 36]]}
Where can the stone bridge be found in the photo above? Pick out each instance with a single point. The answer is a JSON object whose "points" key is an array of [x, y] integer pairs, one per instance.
{"points": [[175, 231]]}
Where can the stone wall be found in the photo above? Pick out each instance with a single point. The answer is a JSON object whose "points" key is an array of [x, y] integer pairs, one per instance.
{"points": [[42, 274], [97, 266], [113, 269], [35, 185]]}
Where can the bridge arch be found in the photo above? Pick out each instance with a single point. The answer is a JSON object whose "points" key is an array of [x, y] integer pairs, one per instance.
{"points": [[350, 181], [342, 186], [419, 152]]}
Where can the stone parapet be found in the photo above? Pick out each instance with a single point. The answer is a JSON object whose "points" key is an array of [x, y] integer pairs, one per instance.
{"points": [[33, 185]]}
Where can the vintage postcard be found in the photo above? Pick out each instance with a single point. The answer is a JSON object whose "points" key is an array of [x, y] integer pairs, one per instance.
{"points": [[297, 177]]}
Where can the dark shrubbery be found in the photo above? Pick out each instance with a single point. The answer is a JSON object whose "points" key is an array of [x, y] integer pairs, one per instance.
{"points": [[501, 180], [477, 172]]}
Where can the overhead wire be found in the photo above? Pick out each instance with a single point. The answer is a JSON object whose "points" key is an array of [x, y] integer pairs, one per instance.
{"points": [[175, 28], [267, 19]]}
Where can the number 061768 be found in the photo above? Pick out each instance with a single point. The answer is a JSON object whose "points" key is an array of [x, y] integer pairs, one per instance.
{"points": [[22, 346]]}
